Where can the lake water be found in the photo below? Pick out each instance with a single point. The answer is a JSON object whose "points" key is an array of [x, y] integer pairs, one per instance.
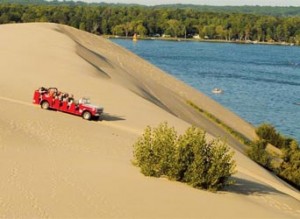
{"points": [[261, 83]]}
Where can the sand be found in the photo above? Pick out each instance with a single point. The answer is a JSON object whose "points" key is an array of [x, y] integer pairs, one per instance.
{"points": [[55, 165]]}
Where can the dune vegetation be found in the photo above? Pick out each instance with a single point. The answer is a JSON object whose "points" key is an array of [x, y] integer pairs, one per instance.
{"points": [[188, 158], [286, 163]]}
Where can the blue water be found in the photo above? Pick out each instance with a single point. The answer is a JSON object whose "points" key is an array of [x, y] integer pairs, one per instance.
{"points": [[261, 83]]}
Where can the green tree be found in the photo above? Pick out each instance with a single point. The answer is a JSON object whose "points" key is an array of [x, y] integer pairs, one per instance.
{"points": [[141, 30], [118, 30], [60, 16], [174, 28], [128, 27], [82, 26], [4, 19], [297, 39], [220, 32], [209, 31], [280, 33], [199, 29], [104, 27], [28, 17]]}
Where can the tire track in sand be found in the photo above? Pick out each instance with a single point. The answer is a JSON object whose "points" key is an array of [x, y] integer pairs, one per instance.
{"points": [[16, 101], [104, 123]]}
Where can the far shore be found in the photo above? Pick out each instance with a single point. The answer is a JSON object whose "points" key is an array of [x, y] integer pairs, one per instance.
{"points": [[179, 39]]}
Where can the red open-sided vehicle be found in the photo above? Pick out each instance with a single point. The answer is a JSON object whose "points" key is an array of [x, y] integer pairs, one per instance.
{"points": [[51, 98]]}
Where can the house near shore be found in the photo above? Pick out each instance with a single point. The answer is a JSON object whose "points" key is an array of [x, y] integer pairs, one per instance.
{"points": [[197, 36], [166, 36], [156, 35]]}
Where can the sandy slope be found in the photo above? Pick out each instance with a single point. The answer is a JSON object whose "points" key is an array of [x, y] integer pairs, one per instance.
{"points": [[54, 165]]}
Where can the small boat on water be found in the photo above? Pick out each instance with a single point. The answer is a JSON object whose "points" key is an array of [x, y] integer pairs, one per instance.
{"points": [[217, 91]]}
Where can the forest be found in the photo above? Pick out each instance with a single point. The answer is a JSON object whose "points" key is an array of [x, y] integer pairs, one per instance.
{"points": [[181, 21]]}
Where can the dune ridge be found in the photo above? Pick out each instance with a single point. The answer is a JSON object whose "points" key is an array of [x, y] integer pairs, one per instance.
{"points": [[55, 165]]}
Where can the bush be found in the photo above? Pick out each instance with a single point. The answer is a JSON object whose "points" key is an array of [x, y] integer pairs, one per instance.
{"points": [[257, 152], [269, 133], [188, 158], [206, 165], [154, 151], [290, 167]]}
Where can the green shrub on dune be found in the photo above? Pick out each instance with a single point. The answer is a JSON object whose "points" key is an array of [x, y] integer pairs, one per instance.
{"points": [[268, 133], [188, 158], [290, 167], [289, 160], [258, 153], [154, 151], [202, 164]]}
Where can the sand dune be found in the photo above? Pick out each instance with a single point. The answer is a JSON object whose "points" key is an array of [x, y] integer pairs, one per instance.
{"points": [[55, 165]]}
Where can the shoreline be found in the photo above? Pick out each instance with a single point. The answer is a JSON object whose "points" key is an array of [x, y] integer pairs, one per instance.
{"points": [[201, 40]]}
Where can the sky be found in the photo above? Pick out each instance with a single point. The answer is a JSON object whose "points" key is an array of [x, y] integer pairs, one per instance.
{"points": [[207, 2]]}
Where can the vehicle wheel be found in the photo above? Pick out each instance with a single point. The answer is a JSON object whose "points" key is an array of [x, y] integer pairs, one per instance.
{"points": [[87, 115], [45, 105]]}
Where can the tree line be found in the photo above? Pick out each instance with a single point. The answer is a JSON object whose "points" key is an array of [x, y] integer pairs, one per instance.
{"points": [[125, 20], [278, 11], [245, 9]]}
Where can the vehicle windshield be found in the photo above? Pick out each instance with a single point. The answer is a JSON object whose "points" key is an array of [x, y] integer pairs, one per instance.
{"points": [[85, 101]]}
